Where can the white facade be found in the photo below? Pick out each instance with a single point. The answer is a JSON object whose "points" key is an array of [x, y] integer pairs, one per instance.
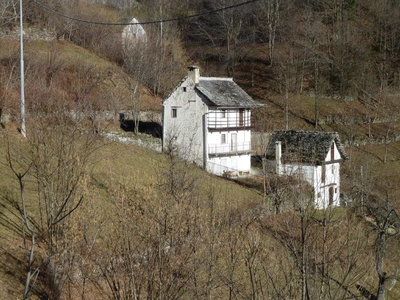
{"points": [[132, 35], [183, 115], [228, 141], [323, 177], [215, 137]]}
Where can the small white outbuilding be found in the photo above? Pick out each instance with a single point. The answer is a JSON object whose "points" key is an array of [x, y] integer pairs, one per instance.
{"points": [[133, 35], [313, 156]]}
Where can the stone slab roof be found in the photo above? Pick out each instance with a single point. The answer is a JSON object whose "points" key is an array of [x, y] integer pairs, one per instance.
{"points": [[224, 92], [310, 147]]}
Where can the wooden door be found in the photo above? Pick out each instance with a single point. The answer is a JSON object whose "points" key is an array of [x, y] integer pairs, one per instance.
{"points": [[331, 195], [233, 142]]}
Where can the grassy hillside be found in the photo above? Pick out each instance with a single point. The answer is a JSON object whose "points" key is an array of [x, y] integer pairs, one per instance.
{"points": [[68, 74], [151, 226], [112, 169], [219, 237], [213, 237]]}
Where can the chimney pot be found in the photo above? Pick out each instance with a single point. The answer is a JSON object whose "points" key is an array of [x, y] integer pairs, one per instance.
{"points": [[194, 73], [278, 157]]}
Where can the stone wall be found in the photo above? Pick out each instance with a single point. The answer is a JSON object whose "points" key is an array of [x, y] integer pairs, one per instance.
{"points": [[351, 120], [144, 116], [30, 33]]}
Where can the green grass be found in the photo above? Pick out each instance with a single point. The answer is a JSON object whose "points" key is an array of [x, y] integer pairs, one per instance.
{"points": [[111, 166], [9, 48], [332, 215], [116, 165], [67, 53]]}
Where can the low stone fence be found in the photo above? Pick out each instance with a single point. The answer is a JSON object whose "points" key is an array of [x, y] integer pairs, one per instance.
{"points": [[30, 33], [144, 116], [5, 118], [351, 120]]}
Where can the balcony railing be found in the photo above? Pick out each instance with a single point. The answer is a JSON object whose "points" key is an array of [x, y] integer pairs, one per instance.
{"points": [[215, 149], [229, 119]]}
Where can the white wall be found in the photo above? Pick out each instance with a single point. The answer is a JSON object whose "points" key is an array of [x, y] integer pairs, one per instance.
{"points": [[233, 163], [215, 145], [186, 130], [237, 164], [313, 175], [332, 181], [332, 178]]}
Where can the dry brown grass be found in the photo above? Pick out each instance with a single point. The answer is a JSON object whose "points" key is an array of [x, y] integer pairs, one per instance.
{"points": [[116, 165], [112, 165]]}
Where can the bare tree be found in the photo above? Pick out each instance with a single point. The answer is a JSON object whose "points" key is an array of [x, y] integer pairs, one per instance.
{"points": [[226, 31], [152, 252], [8, 13], [21, 171], [136, 63], [268, 19], [6, 87], [54, 158], [386, 223]]}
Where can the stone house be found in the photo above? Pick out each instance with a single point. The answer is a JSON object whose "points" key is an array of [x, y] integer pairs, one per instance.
{"points": [[208, 120], [312, 156]]}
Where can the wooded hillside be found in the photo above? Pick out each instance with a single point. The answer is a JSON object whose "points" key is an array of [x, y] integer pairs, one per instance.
{"points": [[82, 217]]}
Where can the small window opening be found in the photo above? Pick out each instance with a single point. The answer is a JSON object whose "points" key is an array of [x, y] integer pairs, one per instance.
{"points": [[223, 113], [174, 112], [184, 88], [223, 138]]}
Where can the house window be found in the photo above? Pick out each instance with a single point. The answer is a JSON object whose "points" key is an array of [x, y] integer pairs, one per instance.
{"points": [[174, 113], [223, 113], [333, 169], [323, 174], [184, 88], [233, 142], [241, 117], [223, 138], [333, 151]]}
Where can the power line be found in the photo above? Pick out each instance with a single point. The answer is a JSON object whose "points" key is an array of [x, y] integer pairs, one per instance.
{"points": [[49, 9]]}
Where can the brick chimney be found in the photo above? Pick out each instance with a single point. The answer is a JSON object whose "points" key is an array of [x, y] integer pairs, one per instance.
{"points": [[194, 73]]}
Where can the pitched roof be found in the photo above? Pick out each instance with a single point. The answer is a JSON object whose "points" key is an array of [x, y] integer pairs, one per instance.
{"points": [[225, 92], [304, 146]]}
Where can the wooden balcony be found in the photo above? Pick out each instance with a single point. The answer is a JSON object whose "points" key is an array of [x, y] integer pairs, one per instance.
{"points": [[215, 150], [229, 120]]}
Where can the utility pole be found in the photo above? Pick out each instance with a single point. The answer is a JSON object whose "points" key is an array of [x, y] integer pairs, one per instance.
{"points": [[23, 129]]}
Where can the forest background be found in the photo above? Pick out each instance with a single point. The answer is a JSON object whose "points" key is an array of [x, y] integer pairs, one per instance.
{"points": [[83, 217]]}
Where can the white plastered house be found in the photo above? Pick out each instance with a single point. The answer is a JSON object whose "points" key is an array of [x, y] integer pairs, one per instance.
{"points": [[133, 35], [312, 156], [207, 120]]}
